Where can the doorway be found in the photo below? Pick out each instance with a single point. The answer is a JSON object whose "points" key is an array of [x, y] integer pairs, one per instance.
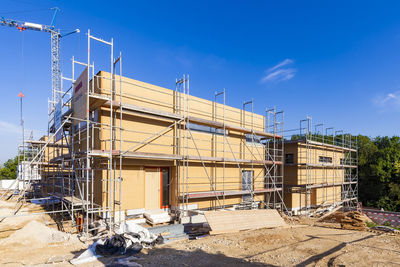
{"points": [[157, 188]]}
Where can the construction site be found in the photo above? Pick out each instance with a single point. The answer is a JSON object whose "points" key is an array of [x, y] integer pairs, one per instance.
{"points": [[135, 174]]}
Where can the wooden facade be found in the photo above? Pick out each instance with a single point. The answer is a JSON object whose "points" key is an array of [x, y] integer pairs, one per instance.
{"points": [[156, 148], [315, 174]]}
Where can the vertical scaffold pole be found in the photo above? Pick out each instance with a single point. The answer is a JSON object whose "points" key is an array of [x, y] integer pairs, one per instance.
{"points": [[87, 140], [223, 148]]}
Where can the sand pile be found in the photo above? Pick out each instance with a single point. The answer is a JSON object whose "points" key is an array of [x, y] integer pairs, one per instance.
{"points": [[5, 212], [9, 221], [36, 233], [14, 221], [6, 204]]}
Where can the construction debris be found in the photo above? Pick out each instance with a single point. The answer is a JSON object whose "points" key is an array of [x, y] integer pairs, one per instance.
{"points": [[354, 220], [386, 229], [129, 240], [88, 255], [197, 230], [118, 245], [328, 212]]}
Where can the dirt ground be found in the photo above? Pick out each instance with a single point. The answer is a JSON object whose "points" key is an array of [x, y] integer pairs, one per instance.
{"points": [[315, 244]]}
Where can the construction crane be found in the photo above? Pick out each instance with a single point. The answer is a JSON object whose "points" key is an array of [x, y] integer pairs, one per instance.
{"points": [[55, 35]]}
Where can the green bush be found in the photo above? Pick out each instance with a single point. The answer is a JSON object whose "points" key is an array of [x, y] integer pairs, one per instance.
{"points": [[9, 169], [387, 223]]}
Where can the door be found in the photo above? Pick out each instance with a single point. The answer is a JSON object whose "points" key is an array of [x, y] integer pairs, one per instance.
{"points": [[152, 189], [165, 188], [247, 184]]}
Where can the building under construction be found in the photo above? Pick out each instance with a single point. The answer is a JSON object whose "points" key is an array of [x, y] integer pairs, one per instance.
{"points": [[118, 146], [320, 169]]}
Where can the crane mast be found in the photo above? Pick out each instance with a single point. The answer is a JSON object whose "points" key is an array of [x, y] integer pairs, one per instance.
{"points": [[55, 68]]}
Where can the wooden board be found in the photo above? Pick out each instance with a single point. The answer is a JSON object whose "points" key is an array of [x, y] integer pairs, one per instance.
{"points": [[237, 220]]}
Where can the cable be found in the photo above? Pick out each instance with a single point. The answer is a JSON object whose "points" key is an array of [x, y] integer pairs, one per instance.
{"points": [[24, 11], [23, 59], [29, 3]]}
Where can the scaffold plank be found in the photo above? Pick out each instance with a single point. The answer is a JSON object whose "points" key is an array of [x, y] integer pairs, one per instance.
{"points": [[220, 159], [209, 194]]}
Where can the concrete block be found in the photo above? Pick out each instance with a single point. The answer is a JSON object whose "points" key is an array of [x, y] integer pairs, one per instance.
{"points": [[155, 214], [135, 212], [194, 219], [156, 220]]}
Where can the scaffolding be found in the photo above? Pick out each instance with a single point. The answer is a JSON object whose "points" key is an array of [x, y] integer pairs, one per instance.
{"points": [[240, 156], [30, 165], [73, 179], [326, 167], [263, 152]]}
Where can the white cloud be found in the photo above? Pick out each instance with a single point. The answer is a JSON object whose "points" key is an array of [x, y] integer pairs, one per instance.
{"points": [[281, 64], [279, 75], [390, 100], [280, 72], [9, 128]]}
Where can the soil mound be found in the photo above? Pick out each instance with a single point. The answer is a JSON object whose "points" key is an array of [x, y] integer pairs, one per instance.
{"points": [[352, 220], [36, 233]]}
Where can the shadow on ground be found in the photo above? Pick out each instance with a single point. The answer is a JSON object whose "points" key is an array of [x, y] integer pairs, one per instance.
{"points": [[162, 256]]}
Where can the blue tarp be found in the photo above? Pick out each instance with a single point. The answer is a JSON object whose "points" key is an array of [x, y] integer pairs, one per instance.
{"points": [[45, 201]]}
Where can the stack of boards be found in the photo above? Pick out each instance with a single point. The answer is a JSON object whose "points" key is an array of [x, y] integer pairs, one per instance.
{"points": [[237, 220], [157, 216], [354, 220]]}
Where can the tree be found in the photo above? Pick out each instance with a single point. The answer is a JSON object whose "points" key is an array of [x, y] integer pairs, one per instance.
{"points": [[9, 169], [379, 172]]}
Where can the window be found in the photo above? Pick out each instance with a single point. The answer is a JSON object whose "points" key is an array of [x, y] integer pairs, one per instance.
{"points": [[325, 159], [247, 184], [253, 139], [342, 162], [289, 159], [205, 129]]}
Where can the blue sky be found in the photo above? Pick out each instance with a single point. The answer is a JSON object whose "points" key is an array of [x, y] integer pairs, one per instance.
{"points": [[337, 61]]}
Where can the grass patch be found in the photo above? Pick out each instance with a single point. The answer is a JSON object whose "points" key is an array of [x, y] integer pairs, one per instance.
{"points": [[371, 224]]}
